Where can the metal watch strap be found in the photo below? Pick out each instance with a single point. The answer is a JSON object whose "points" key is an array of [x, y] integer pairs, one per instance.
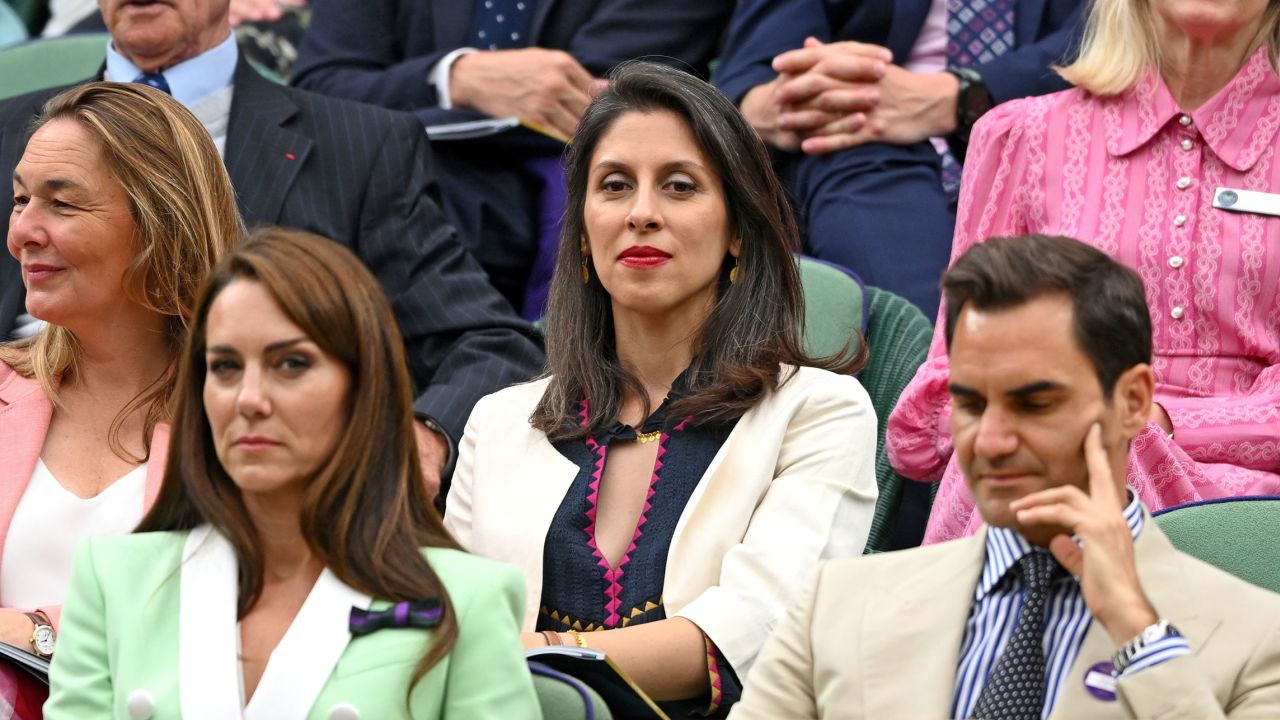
{"points": [[1159, 630], [451, 455]]}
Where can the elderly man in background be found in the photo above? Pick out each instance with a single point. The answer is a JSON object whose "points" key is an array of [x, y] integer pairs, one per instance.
{"points": [[356, 174]]}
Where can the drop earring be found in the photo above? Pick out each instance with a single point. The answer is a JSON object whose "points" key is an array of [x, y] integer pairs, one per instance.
{"points": [[733, 273], [586, 272]]}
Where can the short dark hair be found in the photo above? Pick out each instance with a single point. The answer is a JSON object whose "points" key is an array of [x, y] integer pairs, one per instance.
{"points": [[756, 324], [1112, 324]]}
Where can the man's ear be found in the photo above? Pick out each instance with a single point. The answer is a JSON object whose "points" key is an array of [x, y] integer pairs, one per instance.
{"points": [[1132, 397]]}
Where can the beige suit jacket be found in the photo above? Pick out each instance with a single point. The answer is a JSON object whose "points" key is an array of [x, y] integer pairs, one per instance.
{"points": [[879, 637]]}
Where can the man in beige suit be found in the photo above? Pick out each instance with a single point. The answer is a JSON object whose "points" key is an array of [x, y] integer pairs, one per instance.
{"points": [[1070, 602]]}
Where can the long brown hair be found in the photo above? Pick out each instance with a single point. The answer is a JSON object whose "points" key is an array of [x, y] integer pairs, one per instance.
{"points": [[186, 217], [756, 324], [366, 513]]}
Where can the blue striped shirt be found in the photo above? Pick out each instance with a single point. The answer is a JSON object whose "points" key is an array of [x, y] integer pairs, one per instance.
{"points": [[996, 604]]}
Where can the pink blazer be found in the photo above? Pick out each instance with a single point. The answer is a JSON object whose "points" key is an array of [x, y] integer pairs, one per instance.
{"points": [[25, 412]]}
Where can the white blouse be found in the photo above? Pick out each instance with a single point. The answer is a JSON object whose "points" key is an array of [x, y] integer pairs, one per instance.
{"points": [[49, 522]]}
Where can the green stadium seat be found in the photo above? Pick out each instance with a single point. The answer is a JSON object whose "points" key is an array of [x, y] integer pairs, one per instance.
{"points": [[1235, 534], [50, 62]]}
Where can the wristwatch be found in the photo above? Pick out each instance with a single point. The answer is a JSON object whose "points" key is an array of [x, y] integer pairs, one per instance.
{"points": [[973, 100], [1152, 633], [43, 637]]}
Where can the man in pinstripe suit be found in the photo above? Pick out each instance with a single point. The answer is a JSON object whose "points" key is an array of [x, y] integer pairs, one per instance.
{"points": [[1070, 603], [351, 172]]}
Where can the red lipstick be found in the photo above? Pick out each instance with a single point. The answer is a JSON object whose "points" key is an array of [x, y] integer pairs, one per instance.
{"points": [[643, 257]]}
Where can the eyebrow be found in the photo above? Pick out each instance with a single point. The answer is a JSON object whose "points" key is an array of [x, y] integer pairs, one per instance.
{"points": [[273, 347], [53, 183], [666, 167], [1034, 388]]}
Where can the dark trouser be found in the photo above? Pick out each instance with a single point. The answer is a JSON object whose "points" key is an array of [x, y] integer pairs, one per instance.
{"points": [[880, 211]]}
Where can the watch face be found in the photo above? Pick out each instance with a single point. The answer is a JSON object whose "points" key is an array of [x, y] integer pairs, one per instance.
{"points": [[43, 640]]}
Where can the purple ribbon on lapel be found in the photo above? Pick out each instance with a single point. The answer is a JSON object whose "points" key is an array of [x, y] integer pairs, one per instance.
{"points": [[416, 614]]}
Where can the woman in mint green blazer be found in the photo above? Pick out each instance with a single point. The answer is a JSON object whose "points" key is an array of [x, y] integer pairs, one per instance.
{"points": [[292, 566]]}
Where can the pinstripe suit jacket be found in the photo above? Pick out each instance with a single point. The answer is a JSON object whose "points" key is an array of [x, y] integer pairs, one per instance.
{"points": [[362, 176]]}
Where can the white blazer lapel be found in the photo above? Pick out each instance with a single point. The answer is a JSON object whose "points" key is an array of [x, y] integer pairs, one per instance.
{"points": [[208, 669], [301, 664]]}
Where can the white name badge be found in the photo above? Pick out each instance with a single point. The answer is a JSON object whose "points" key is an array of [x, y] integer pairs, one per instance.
{"points": [[1247, 201]]}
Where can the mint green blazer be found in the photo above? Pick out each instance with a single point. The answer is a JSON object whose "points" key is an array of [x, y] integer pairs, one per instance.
{"points": [[120, 651]]}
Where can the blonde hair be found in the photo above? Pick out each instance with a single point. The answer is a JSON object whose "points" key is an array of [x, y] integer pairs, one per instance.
{"points": [[185, 212], [1119, 45]]}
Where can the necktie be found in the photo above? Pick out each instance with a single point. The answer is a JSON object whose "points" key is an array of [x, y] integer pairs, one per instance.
{"points": [[978, 31], [155, 80], [1015, 690], [501, 24]]}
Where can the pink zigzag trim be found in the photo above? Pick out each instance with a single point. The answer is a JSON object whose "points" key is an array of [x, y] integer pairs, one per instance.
{"points": [[613, 575]]}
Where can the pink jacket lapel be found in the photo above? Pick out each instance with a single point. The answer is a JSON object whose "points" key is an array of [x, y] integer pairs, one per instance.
{"points": [[25, 412]]}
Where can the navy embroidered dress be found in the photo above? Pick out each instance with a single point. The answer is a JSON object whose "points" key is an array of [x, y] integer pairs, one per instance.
{"points": [[581, 591]]}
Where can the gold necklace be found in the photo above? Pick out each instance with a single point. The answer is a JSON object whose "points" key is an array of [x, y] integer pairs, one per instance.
{"points": [[648, 437]]}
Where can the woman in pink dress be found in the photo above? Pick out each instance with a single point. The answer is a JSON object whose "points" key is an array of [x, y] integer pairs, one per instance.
{"points": [[1164, 156]]}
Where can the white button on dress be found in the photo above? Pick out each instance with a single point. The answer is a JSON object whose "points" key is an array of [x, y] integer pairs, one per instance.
{"points": [[1184, 183], [1176, 313], [1187, 144], [1185, 121], [1180, 220], [140, 704], [344, 711], [1176, 262]]}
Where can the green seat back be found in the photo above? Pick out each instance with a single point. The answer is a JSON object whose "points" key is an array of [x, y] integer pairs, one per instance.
{"points": [[563, 701], [34, 13], [833, 314], [12, 29], [1235, 534], [898, 337], [51, 62], [62, 61]]}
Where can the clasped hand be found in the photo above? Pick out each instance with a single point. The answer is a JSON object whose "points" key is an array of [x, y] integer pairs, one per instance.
{"points": [[831, 96], [1103, 559]]}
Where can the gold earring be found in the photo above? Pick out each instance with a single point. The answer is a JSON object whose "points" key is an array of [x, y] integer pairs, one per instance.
{"points": [[733, 273], [586, 272]]}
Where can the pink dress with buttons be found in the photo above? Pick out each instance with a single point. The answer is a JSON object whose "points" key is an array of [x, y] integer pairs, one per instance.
{"points": [[1136, 177]]}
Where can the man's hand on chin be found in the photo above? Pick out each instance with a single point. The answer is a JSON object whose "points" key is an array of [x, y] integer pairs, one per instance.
{"points": [[1103, 558]]}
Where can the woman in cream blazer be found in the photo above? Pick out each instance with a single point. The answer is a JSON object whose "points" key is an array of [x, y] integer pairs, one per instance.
{"points": [[685, 465]]}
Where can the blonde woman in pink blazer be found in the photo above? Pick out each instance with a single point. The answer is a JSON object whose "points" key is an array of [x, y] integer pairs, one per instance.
{"points": [[121, 208]]}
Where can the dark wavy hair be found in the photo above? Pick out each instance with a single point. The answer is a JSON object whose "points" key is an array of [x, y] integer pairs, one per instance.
{"points": [[366, 513], [756, 324], [1111, 321]]}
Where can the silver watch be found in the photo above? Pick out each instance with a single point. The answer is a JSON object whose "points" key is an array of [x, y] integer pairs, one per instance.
{"points": [[1160, 630]]}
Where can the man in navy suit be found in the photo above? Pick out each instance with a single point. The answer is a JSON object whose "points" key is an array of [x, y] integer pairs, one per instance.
{"points": [[850, 93], [455, 60], [354, 173]]}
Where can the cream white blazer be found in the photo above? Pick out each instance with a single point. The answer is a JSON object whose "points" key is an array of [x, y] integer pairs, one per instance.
{"points": [[794, 483]]}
